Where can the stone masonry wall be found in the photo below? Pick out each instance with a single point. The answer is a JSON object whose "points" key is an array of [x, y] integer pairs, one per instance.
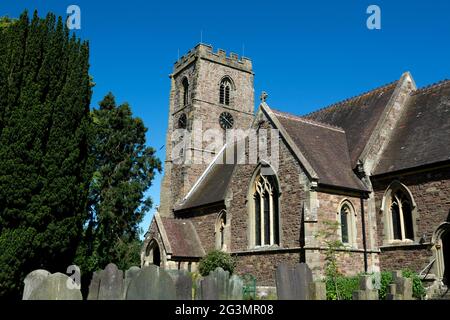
{"points": [[431, 192]]}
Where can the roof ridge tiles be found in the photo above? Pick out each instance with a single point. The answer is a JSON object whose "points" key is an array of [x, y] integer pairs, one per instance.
{"points": [[309, 121], [351, 99], [430, 87]]}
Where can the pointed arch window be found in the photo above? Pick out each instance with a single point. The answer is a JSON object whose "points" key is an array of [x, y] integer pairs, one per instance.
{"points": [[399, 208], [225, 90], [401, 214], [265, 213], [221, 225], [185, 84], [347, 220]]}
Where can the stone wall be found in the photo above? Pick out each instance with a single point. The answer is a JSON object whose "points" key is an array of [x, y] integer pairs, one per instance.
{"points": [[431, 192]]}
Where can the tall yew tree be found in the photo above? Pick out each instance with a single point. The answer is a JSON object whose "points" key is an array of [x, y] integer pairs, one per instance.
{"points": [[45, 169], [124, 170]]}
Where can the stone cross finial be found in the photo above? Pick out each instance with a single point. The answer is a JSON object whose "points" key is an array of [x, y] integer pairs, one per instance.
{"points": [[263, 96]]}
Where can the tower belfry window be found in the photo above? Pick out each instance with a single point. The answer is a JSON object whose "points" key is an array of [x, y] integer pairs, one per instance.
{"points": [[225, 91], [185, 91]]}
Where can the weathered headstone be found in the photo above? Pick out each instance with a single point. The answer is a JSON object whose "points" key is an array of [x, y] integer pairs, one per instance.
{"points": [[152, 283], [32, 281], [219, 286], [183, 283], [130, 274], [235, 288], [367, 290], [293, 284], [94, 286], [56, 286], [401, 288], [317, 291], [111, 283]]}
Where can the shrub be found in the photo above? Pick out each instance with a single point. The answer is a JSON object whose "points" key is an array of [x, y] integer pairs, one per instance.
{"points": [[417, 285], [386, 279], [215, 259], [341, 288]]}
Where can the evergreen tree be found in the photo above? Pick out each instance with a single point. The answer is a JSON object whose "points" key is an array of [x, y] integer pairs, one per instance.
{"points": [[124, 170], [45, 169]]}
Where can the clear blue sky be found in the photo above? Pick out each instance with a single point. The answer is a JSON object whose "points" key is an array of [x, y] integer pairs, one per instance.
{"points": [[306, 55]]}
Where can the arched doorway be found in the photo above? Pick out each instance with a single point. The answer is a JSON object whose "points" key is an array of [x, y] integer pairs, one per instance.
{"points": [[156, 256], [153, 254], [442, 252]]}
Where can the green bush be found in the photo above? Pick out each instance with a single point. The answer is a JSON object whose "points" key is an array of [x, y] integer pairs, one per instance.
{"points": [[341, 288], [418, 288], [386, 279], [215, 259]]}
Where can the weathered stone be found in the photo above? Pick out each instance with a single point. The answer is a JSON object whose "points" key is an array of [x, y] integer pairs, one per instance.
{"points": [[111, 283], [130, 274], [152, 283], [293, 284], [56, 286], [94, 286], [32, 281], [219, 286], [317, 291], [235, 288], [183, 284]]}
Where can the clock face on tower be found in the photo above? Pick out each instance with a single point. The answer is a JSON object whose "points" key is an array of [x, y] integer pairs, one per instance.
{"points": [[226, 120], [182, 121]]}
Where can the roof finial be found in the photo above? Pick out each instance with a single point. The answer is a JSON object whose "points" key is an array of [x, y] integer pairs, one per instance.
{"points": [[263, 96]]}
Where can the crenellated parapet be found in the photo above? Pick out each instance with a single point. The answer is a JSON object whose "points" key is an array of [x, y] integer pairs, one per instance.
{"points": [[205, 51]]}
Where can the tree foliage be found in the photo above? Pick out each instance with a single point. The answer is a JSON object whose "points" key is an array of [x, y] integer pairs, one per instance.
{"points": [[44, 163], [124, 170]]}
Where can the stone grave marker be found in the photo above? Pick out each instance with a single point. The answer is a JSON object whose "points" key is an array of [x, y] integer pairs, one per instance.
{"points": [[32, 281], [56, 286]]}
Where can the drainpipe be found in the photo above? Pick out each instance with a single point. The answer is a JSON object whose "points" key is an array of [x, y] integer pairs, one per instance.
{"points": [[363, 221]]}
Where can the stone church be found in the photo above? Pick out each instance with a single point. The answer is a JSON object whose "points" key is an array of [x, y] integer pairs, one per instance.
{"points": [[375, 166]]}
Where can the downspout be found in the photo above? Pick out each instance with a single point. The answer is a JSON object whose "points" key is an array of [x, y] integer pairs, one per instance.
{"points": [[363, 221]]}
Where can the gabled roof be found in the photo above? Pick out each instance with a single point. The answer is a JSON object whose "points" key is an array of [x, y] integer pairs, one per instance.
{"points": [[357, 116], [212, 185], [422, 134], [182, 237], [325, 149]]}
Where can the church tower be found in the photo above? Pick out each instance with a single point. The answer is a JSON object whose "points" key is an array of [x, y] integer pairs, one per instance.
{"points": [[209, 90]]}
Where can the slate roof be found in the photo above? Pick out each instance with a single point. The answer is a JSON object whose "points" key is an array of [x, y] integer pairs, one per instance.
{"points": [[357, 116], [324, 147], [182, 237], [422, 135], [213, 185]]}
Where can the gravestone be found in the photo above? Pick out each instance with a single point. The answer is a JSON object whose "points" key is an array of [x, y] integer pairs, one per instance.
{"points": [[401, 288], [32, 281], [235, 288], [317, 291], [94, 286], [183, 284], [151, 283], [293, 283], [367, 289], [111, 283], [130, 274], [219, 286], [56, 286]]}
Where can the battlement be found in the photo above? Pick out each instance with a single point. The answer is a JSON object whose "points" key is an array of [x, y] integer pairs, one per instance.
{"points": [[205, 51]]}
